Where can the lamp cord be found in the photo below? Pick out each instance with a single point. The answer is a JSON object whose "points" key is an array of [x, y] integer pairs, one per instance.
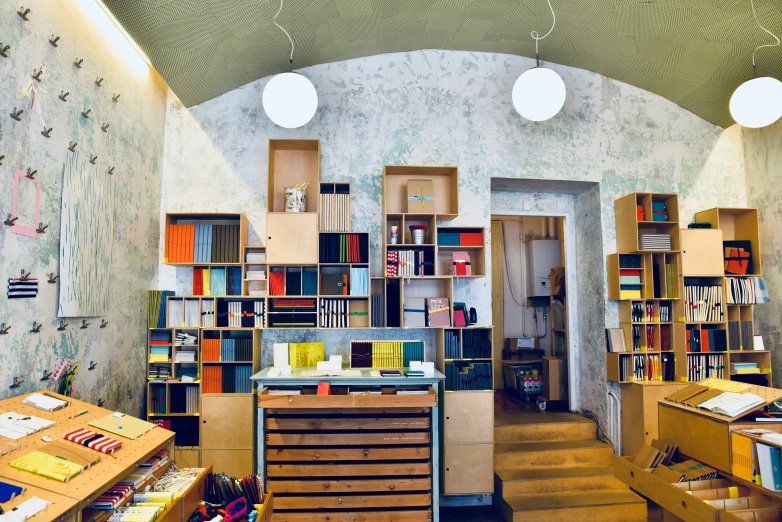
{"points": [[754, 65], [537, 37], [283, 29]]}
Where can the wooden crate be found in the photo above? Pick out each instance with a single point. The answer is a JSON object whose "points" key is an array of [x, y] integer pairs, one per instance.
{"points": [[369, 461]]}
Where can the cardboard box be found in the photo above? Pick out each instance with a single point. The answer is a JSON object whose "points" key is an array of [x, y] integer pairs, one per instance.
{"points": [[521, 343], [555, 386], [420, 196]]}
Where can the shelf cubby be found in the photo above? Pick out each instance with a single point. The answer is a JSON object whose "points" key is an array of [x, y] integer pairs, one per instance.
{"points": [[291, 163], [737, 224], [187, 242], [630, 224]]}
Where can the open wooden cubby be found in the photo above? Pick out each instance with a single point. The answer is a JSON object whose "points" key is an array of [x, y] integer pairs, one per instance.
{"points": [[291, 163], [183, 247], [629, 227], [334, 207], [444, 182], [296, 280], [737, 224], [421, 288], [255, 286], [471, 240]]}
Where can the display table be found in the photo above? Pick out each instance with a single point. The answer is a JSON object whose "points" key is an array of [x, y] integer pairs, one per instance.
{"points": [[372, 445], [84, 488]]}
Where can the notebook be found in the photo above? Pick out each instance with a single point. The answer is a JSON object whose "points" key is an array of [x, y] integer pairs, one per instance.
{"points": [[732, 404], [122, 425], [9, 491], [47, 466], [45, 402]]}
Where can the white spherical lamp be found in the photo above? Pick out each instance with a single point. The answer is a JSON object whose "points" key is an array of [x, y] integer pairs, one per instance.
{"points": [[757, 102], [539, 94], [290, 100]]}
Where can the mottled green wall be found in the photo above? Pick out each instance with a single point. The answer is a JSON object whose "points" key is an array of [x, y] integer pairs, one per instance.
{"points": [[133, 145]]}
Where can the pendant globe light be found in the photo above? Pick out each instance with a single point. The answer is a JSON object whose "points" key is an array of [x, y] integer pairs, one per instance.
{"points": [[757, 102], [539, 93], [289, 99]]}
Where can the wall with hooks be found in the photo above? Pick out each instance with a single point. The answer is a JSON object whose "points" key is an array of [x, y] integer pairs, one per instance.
{"points": [[454, 108], [83, 64]]}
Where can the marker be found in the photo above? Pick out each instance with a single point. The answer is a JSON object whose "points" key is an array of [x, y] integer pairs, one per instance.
{"points": [[79, 414]]}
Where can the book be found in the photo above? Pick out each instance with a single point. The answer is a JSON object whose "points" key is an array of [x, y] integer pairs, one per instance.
{"points": [[45, 402], [769, 465], [732, 404]]}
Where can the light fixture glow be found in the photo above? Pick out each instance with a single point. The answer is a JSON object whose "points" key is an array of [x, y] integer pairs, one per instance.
{"points": [[757, 102], [290, 100], [539, 94], [122, 30]]}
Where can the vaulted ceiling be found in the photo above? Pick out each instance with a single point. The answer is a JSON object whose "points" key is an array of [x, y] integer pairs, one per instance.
{"points": [[693, 52]]}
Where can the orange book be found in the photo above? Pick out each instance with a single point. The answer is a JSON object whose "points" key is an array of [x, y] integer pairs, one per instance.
{"points": [[177, 252], [190, 243], [705, 341]]}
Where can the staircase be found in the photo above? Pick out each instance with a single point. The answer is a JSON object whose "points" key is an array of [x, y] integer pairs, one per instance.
{"points": [[550, 467]]}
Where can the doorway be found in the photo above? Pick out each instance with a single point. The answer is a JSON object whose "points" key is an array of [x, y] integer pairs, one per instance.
{"points": [[530, 313]]}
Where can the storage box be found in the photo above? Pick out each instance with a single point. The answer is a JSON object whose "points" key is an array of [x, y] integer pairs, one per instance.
{"points": [[471, 239], [445, 239], [555, 378], [438, 311], [415, 312], [420, 196], [520, 343]]}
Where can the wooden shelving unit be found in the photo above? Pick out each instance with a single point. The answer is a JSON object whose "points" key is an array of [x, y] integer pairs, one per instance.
{"points": [[179, 244]]}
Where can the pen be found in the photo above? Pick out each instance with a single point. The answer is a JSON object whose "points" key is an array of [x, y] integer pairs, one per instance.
{"points": [[79, 414]]}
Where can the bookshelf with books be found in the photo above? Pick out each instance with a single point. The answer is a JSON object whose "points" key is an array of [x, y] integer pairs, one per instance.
{"points": [[204, 239], [647, 222], [461, 251], [334, 207]]}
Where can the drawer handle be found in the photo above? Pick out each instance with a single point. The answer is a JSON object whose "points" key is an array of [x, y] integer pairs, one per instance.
{"points": [[684, 504], [326, 485], [391, 487], [290, 399], [632, 475], [316, 456], [447, 418], [366, 452], [339, 501], [447, 469]]}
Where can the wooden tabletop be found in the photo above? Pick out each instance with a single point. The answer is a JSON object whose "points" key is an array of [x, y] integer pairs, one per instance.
{"points": [[85, 487], [60, 505]]}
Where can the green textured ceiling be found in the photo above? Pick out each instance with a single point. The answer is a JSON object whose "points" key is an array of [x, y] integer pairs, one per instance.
{"points": [[693, 52]]}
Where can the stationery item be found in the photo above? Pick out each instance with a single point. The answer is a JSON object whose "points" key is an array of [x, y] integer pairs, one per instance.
{"points": [[324, 388], [616, 340], [461, 264], [96, 441], [22, 288], [73, 454], [732, 404], [414, 312], [122, 425], [738, 257], [420, 196], [390, 373], [47, 466], [9, 491], [302, 355], [45, 402], [26, 510], [438, 312], [654, 241], [770, 464]]}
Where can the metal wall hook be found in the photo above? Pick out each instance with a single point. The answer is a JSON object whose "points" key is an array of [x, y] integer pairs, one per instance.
{"points": [[37, 74], [17, 114], [4, 50], [72, 146], [86, 112], [53, 40], [17, 381], [105, 127], [101, 402], [30, 173], [84, 324], [10, 220], [93, 159], [23, 13], [110, 171], [4, 328], [24, 275], [92, 366], [46, 132], [36, 327], [41, 228], [115, 98], [77, 62], [64, 96], [2, 157], [62, 327], [52, 278], [98, 81], [104, 323], [46, 376]]}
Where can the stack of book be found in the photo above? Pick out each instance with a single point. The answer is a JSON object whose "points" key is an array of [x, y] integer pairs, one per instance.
{"points": [[655, 241], [378, 311], [744, 368], [159, 354], [409, 263], [359, 281], [158, 399], [344, 248], [659, 212], [211, 348], [334, 210], [233, 350], [255, 275], [385, 354], [159, 373], [185, 339], [703, 303], [255, 257], [476, 344], [472, 376], [629, 283], [186, 355], [747, 290], [203, 244], [452, 348]]}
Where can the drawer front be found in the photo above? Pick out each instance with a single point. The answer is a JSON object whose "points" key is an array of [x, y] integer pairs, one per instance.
{"points": [[468, 417], [468, 469], [346, 401]]}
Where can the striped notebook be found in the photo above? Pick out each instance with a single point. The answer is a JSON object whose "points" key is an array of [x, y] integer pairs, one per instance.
{"points": [[93, 440], [22, 289]]}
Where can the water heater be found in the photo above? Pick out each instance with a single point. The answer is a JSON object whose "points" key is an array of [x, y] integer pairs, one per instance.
{"points": [[542, 256]]}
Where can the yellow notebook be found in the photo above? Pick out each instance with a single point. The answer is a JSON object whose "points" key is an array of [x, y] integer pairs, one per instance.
{"points": [[47, 466], [122, 425]]}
